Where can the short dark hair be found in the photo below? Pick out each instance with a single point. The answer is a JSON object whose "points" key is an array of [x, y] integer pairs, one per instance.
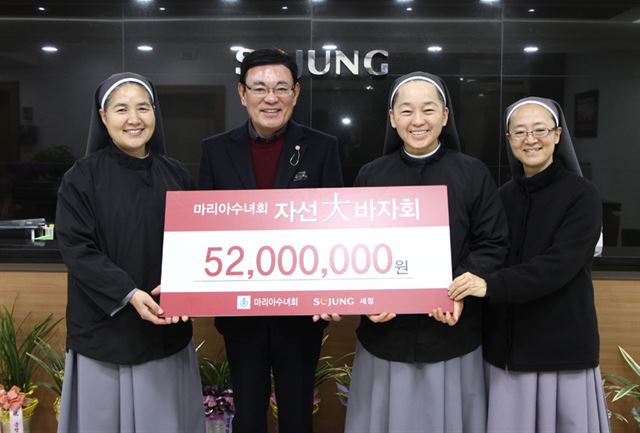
{"points": [[268, 56]]}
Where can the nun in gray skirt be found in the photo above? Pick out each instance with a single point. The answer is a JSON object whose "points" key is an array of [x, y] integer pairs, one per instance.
{"points": [[127, 369], [411, 373], [540, 342]]}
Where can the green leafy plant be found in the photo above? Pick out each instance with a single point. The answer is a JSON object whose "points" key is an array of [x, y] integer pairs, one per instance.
{"points": [[343, 382], [325, 370], [214, 373], [618, 387], [16, 366], [217, 392], [52, 362]]}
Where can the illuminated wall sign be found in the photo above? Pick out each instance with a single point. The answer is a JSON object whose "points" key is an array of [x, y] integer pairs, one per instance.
{"points": [[336, 62]]}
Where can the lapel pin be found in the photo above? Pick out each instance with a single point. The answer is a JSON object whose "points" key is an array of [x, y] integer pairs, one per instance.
{"points": [[295, 158]]}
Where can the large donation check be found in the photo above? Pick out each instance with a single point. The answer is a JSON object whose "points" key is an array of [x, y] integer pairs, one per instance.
{"points": [[306, 251]]}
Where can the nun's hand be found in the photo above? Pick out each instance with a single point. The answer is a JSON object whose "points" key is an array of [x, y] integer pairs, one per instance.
{"points": [[147, 308], [465, 285], [447, 317], [328, 317], [169, 319], [172, 319], [381, 317]]}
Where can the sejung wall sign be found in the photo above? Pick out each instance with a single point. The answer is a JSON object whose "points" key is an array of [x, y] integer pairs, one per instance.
{"points": [[335, 62]]}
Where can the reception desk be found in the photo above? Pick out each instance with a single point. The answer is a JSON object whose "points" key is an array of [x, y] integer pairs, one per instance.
{"points": [[40, 289]]}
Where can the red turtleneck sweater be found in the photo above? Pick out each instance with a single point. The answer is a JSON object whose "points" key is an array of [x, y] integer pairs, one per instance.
{"points": [[266, 156]]}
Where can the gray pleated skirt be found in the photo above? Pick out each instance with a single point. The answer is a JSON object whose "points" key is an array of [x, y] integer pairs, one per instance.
{"points": [[399, 397], [546, 402], [159, 396]]}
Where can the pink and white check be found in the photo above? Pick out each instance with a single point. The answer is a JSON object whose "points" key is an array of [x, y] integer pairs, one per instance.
{"points": [[306, 251]]}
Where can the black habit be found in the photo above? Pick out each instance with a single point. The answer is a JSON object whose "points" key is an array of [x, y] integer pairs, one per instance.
{"points": [[109, 224], [478, 233]]}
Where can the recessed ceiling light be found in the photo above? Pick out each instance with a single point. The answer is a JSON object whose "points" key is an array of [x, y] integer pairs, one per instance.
{"points": [[369, 87], [532, 10], [145, 48], [461, 79], [409, 9], [41, 9], [531, 49], [434, 48], [49, 49], [284, 8], [329, 47], [162, 9], [346, 121]]}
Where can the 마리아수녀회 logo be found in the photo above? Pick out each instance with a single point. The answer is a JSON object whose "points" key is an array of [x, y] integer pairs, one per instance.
{"points": [[243, 302]]}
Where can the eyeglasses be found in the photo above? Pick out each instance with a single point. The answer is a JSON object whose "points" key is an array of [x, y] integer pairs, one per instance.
{"points": [[280, 91], [521, 134]]}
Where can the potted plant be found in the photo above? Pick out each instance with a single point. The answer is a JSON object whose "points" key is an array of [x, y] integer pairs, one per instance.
{"points": [[16, 367], [325, 370], [343, 382], [52, 362], [217, 393], [17, 408], [618, 387]]}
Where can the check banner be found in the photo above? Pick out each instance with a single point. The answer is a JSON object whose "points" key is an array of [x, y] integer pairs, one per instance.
{"points": [[306, 251]]}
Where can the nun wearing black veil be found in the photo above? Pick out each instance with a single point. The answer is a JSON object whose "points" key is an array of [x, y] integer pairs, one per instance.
{"points": [[412, 373], [127, 368], [541, 343]]}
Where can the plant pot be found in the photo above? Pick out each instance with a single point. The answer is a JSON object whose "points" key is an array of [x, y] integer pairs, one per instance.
{"points": [[220, 423], [27, 413], [215, 425], [56, 407]]}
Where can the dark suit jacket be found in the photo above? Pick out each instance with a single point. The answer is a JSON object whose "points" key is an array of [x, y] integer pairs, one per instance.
{"points": [[226, 160], [226, 164]]}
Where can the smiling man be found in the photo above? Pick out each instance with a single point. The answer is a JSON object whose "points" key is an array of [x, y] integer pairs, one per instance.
{"points": [[271, 151]]}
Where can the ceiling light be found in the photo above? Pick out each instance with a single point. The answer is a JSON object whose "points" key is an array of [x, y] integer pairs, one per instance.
{"points": [[162, 9], [531, 49], [236, 48], [284, 8], [434, 48], [409, 9], [329, 47], [369, 87], [41, 9], [145, 48], [346, 121], [49, 49], [532, 10]]}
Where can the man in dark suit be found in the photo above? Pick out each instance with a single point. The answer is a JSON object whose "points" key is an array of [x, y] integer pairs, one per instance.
{"points": [[271, 151]]}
